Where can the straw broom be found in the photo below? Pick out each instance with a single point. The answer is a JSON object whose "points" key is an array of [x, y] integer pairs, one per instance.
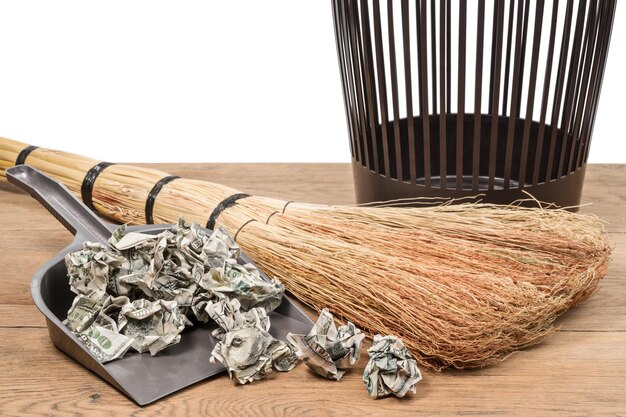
{"points": [[463, 285]]}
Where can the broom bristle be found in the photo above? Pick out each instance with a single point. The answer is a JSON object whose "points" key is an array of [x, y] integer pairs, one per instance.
{"points": [[463, 285]]}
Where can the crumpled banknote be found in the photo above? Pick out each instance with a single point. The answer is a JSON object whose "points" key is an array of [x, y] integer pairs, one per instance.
{"points": [[153, 325], [146, 288], [244, 283], [244, 345], [328, 351], [89, 270], [88, 320], [143, 325], [391, 369]]}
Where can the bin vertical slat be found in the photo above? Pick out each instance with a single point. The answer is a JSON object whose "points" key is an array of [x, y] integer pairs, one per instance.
{"points": [[480, 37], [394, 90], [571, 79], [510, 137], [558, 95], [351, 82], [507, 67], [342, 65], [382, 84], [609, 19], [406, 43], [448, 56], [443, 170], [433, 51], [602, 13], [546, 91], [532, 83], [581, 64], [495, 118], [460, 115], [590, 35], [420, 65], [422, 19], [356, 70], [523, 60], [370, 92], [494, 33]]}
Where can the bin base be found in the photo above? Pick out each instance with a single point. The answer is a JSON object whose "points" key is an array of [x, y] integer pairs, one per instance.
{"points": [[371, 187]]}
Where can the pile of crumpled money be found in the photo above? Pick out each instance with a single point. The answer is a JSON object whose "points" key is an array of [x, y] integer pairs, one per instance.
{"points": [[143, 290]]}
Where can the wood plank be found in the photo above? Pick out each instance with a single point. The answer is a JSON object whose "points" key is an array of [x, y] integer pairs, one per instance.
{"points": [[17, 316], [605, 189], [560, 377], [34, 249]]}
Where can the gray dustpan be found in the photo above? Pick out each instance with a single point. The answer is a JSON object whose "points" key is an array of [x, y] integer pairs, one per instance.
{"points": [[142, 377]]}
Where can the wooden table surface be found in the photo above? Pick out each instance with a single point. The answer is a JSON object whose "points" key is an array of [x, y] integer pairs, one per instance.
{"points": [[579, 371]]}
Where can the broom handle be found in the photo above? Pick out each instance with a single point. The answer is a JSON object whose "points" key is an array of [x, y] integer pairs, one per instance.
{"points": [[60, 202], [210, 200]]}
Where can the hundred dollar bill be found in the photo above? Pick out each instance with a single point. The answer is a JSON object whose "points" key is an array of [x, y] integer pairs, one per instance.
{"points": [[391, 370], [244, 345], [326, 350]]}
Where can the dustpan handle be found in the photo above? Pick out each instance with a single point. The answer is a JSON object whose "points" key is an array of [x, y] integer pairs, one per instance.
{"points": [[60, 202]]}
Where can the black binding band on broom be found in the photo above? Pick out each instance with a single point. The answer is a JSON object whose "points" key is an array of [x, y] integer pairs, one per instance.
{"points": [[21, 158], [152, 195], [86, 189], [223, 205]]}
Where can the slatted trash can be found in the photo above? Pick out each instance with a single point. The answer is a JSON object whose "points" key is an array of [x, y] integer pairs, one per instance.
{"points": [[457, 98]]}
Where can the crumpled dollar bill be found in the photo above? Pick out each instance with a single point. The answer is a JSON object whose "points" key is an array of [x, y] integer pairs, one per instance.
{"points": [[328, 350], [146, 288], [153, 325], [90, 269], [88, 320], [244, 283], [245, 347], [391, 369]]}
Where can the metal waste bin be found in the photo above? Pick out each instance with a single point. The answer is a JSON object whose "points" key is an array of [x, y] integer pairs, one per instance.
{"points": [[454, 98]]}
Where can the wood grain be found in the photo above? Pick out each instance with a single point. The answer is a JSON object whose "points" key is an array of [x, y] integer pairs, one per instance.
{"points": [[572, 373], [580, 370]]}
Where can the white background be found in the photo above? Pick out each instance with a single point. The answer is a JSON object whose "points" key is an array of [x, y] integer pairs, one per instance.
{"points": [[200, 81]]}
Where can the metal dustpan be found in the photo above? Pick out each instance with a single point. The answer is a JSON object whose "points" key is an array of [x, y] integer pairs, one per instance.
{"points": [[142, 377]]}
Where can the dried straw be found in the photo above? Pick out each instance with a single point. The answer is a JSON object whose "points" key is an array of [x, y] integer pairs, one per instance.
{"points": [[463, 285]]}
